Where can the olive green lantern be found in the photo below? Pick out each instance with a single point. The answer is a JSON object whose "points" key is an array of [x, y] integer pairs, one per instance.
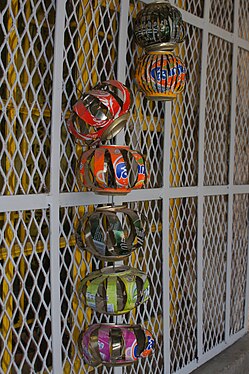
{"points": [[111, 233]]}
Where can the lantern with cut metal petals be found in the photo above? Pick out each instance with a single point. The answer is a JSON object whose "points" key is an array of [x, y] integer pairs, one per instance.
{"points": [[115, 345], [100, 114], [110, 233], [161, 76], [159, 27], [112, 169], [114, 290]]}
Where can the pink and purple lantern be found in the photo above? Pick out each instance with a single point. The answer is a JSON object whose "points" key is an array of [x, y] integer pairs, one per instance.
{"points": [[115, 345]]}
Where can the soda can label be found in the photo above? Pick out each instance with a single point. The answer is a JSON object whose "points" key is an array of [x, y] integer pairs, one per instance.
{"points": [[121, 173], [130, 344], [150, 344], [103, 343], [158, 73]]}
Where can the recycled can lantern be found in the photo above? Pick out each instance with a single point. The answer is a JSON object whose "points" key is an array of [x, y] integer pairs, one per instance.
{"points": [[159, 27], [112, 169], [114, 291], [115, 345], [102, 233], [161, 76], [101, 113]]}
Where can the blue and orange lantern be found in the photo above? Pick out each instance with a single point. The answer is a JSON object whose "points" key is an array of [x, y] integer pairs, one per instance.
{"points": [[161, 76], [112, 169]]}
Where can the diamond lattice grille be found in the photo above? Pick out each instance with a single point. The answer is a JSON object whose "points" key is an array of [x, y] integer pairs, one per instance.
{"points": [[145, 125], [183, 284], [218, 93], [239, 262], [26, 63], [243, 20], [25, 317], [149, 260], [221, 14], [75, 317], [195, 7], [241, 151], [90, 56], [214, 270], [185, 115]]}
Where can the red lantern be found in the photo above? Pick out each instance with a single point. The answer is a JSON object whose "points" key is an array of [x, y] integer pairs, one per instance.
{"points": [[112, 169], [101, 113]]}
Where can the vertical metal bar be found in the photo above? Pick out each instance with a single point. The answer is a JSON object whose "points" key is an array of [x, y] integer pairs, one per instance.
{"points": [[122, 49], [247, 283], [231, 171], [201, 182], [122, 39], [11, 147], [165, 237], [54, 186], [7, 300], [84, 24]]}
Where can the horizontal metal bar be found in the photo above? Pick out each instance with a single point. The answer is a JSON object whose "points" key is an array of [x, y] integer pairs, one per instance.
{"points": [[141, 195], [239, 189], [68, 199], [206, 191], [23, 202], [221, 33], [82, 198], [189, 368], [233, 338], [213, 352], [243, 44]]}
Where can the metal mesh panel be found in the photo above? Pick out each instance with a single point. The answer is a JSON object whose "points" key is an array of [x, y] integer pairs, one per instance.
{"points": [[239, 262], [214, 270], [183, 281], [185, 115], [90, 56], [218, 92], [149, 260], [241, 151], [243, 19], [26, 48], [145, 125], [221, 14], [25, 318], [75, 317], [195, 7]]}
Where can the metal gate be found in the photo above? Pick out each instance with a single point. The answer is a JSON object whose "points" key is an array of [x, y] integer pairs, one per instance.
{"points": [[196, 250]]}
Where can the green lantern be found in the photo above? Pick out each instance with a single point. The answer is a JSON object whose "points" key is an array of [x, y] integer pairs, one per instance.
{"points": [[159, 27], [114, 290]]}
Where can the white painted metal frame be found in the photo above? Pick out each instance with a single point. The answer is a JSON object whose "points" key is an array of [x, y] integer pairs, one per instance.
{"points": [[54, 200]]}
